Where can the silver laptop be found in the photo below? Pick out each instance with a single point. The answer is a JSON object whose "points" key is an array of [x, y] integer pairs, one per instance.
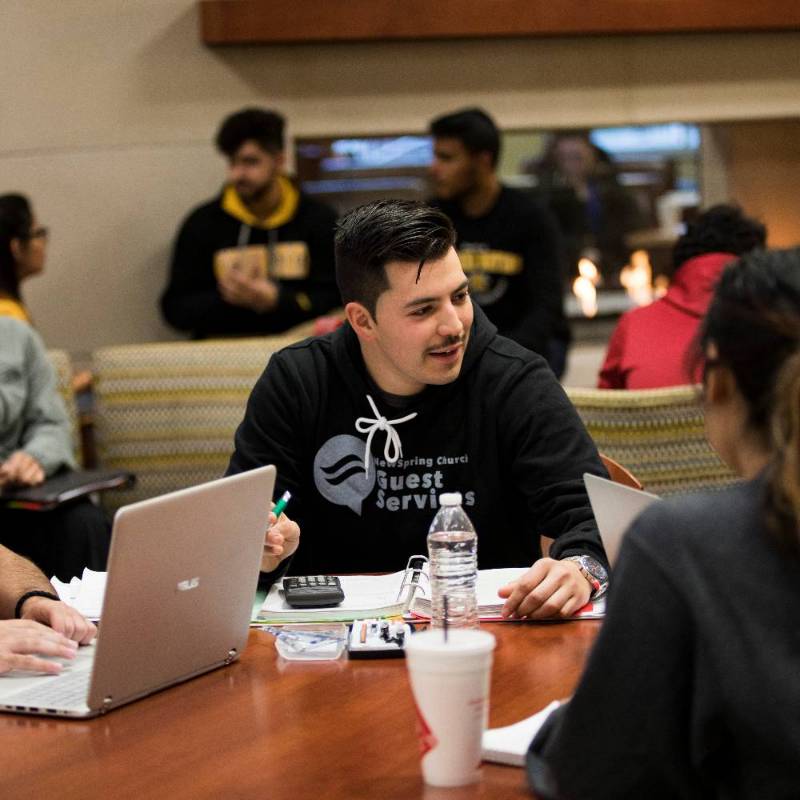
{"points": [[182, 577], [615, 506]]}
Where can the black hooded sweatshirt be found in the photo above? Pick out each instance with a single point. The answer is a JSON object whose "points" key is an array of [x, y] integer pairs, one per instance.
{"points": [[503, 434]]}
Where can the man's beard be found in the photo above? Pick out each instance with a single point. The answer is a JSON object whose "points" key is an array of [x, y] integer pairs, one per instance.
{"points": [[252, 195]]}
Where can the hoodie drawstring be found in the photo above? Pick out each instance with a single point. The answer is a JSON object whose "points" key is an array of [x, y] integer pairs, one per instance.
{"points": [[392, 450]]}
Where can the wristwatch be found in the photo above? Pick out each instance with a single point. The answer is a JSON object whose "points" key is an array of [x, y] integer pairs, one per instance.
{"points": [[594, 572]]}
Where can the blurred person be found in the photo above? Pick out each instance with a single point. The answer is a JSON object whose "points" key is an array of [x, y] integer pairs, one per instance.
{"points": [[258, 258], [508, 245], [23, 250], [649, 346], [36, 443], [33, 621], [691, 689], [594, 211]]}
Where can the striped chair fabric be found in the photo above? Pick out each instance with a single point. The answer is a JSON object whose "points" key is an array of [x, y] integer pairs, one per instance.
{"points": [[168, 411], [657, 434]]}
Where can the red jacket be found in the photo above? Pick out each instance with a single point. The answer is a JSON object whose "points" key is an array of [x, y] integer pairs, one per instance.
{"points": [[649, 346]]}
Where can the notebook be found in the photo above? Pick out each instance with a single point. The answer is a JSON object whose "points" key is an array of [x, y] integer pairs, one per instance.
{"points": [[509, 745], [64, 487], [615, 506], [182, 575]]}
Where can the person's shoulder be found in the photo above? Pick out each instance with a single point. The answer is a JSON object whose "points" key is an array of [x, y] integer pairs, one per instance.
{"points": [[504, 359], [307, 357], [13, 328], [685, 525], [204, 212], [314, 209]]}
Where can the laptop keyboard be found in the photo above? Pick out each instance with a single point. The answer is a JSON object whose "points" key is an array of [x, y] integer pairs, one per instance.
{"points": [[67, 691]]}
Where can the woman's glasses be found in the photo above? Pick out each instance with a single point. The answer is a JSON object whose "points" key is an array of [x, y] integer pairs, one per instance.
{"points": [[39, 233]]}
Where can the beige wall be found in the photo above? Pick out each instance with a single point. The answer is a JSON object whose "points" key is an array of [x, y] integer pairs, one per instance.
{"points": [[107, 108]]}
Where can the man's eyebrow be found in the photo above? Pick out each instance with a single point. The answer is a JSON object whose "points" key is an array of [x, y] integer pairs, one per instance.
{"points": [[423, 300]]}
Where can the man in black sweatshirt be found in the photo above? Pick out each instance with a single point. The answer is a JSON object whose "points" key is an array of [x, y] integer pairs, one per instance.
{"points": [[258, 258], [509, 246], [417, 395]]}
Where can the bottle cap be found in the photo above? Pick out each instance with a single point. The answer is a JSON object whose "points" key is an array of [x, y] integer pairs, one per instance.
{"points": [[450, 499]]}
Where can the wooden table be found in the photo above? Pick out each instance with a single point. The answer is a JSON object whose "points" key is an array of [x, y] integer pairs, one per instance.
{"points": [[267, 728]]}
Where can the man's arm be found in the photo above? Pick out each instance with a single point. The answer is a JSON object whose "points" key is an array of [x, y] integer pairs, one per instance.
{"points": [[543, 270], [191, 301], [271, 433], [551, 451], [19, 577]]}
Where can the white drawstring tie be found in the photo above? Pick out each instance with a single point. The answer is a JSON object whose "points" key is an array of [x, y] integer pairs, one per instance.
{"points": [[392, 450]]}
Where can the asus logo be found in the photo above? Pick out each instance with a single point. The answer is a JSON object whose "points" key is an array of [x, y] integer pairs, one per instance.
{"points": [[187, 585]]}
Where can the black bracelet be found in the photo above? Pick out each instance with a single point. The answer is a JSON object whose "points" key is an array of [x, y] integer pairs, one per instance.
{"points": [[28, 595]]}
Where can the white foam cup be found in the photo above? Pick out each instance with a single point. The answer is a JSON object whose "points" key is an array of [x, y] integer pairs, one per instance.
{"points": [[450, 682]]}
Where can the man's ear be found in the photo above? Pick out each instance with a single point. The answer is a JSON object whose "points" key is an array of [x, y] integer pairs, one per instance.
{"points": [[280, 160], [361, 321], [485, 161]]}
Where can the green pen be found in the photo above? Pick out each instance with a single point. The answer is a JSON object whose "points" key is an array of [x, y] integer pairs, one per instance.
{"points": [[281, 504]]}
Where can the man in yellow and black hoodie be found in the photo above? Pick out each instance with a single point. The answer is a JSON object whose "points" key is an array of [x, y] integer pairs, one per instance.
{"points": [[509, 245], [258, 258]]}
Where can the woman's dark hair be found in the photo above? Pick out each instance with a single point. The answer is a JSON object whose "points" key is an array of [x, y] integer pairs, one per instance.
{"points": [[372, 235], [754, 324], [720, 229], [16, 221]]}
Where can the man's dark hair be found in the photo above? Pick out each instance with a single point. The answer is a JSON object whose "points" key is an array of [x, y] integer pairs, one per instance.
{"points": [[372, 235], [256, 124], [720, 229], [473, 127]]}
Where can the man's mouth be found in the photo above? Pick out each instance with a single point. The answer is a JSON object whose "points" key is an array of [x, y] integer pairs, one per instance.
{"points": [[449, 352]]}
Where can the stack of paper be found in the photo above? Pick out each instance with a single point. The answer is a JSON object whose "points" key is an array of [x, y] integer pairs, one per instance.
{"points": [[85, 593], [368, 596]]}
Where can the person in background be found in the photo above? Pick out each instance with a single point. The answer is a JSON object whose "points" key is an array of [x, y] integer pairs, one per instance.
{"points": [[36, 443], [23, 246], [577, 182], [415, 395], [258, 258], [33, 621], [649, 346], [691, 689], [508, 245]]}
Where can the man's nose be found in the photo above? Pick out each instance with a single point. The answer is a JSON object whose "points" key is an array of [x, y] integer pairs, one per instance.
{"points": [[450, 323]]}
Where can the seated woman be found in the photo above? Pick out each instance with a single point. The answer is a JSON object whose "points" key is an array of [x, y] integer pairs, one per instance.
{"points": [[691, 689], [22, 252], [649, 346], [35, 443]]}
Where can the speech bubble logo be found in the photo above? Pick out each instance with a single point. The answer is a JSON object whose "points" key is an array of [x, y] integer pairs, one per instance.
{"points": [[339, 472]]}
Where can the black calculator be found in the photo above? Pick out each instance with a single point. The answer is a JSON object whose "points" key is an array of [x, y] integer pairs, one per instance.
{"points": [[312, 591]]}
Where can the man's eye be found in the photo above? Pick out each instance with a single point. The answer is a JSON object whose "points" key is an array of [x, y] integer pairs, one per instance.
{"points": [[460, 297], [420, 312]]}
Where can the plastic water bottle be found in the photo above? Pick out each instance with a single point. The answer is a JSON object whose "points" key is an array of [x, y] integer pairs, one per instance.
{"points": [[453, 555]]}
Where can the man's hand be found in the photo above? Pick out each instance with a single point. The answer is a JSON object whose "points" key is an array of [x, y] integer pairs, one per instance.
{"points": [[60, 617], [548, 589], [239, 289], [22, 641], [281, 541], [21, 469]]}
